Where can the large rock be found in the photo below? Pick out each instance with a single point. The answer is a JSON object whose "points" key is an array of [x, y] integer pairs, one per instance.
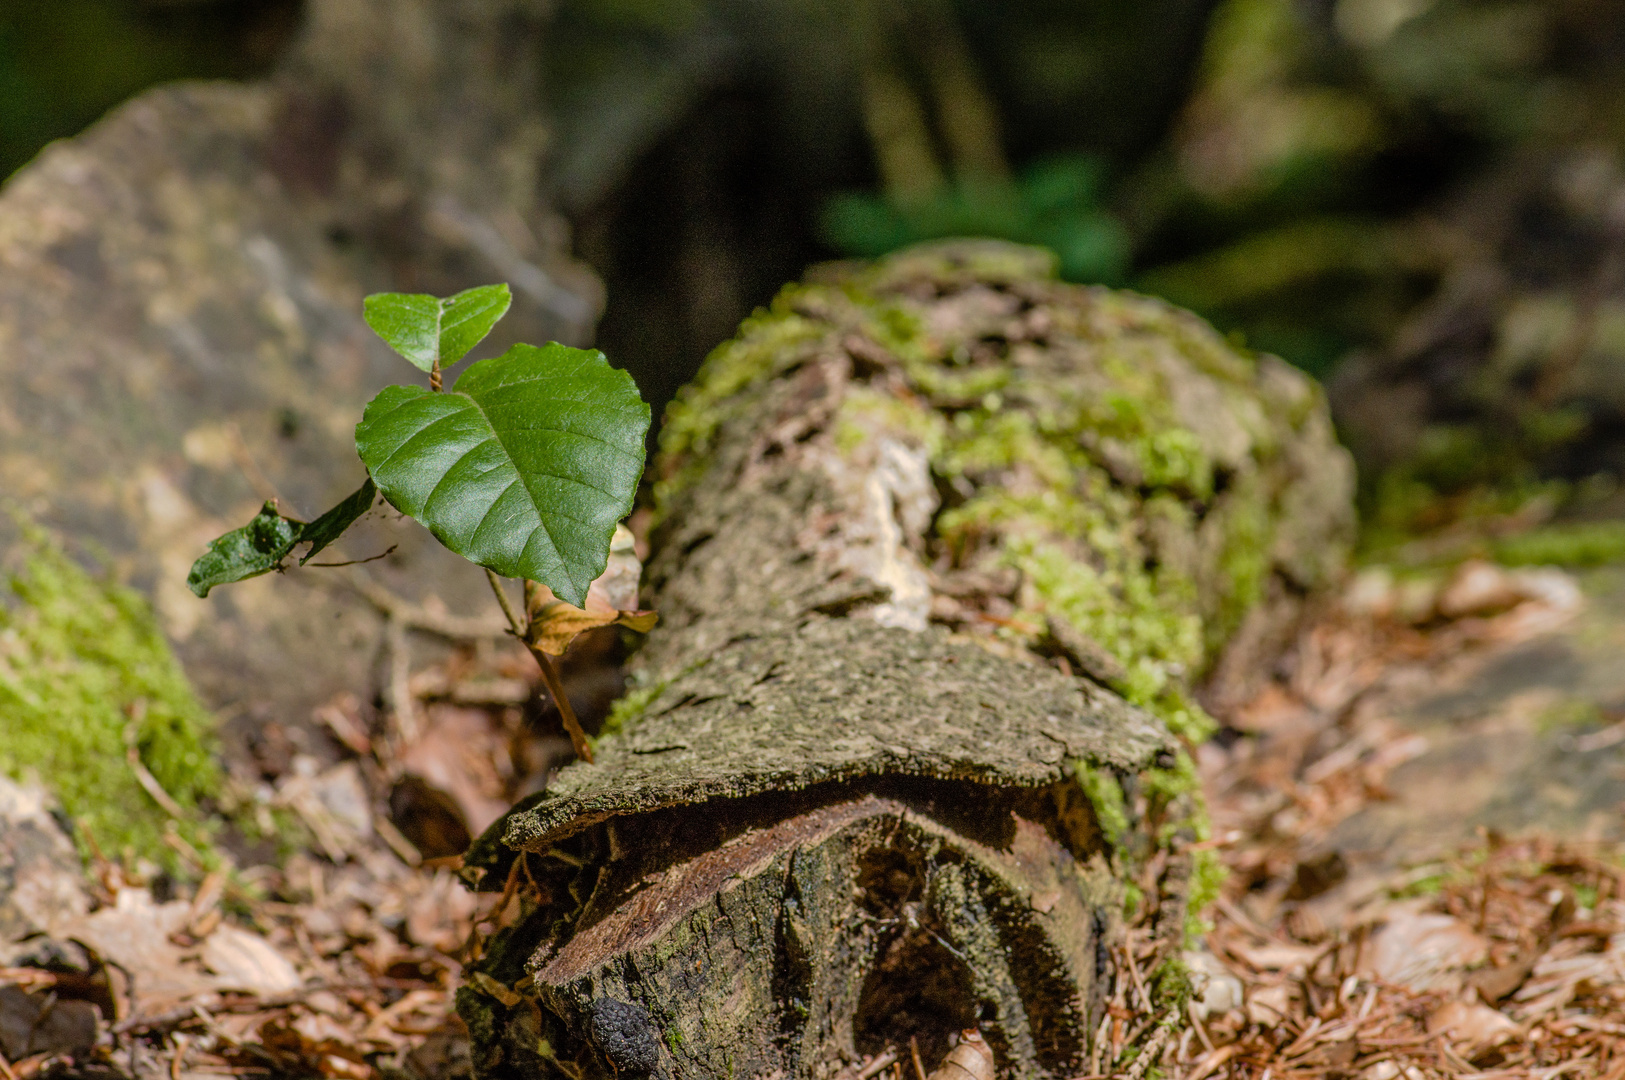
{"points": [[180, 332]]}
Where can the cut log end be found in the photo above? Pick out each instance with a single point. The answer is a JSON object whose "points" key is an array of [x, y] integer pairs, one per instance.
{"points": [[861, 917]]}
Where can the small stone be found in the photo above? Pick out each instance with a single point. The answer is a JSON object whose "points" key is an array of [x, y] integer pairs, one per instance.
{"points": [[1472, 1026], [40, 877], [627, 1036], [1478, 588], [1415, 601], [1217, 991], [1371, 593]]}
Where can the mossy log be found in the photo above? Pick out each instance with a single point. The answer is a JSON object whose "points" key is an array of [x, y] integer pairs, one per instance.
{"points": [[944, 547]]}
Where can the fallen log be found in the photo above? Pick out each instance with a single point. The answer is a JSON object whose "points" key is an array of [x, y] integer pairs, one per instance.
{"points": [[944, 549]]}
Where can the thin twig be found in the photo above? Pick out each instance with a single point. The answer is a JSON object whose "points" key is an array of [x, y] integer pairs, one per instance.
{"points": [[1097, 1047], [1134, 973], [416, 617], [550, 676], [28, 979], [357, 562], [878, 1064], [914, 1052], [5, 1069], [555, 686], [400, 680], [397, 841], [132, 753], [507, 605], [183, 1043], [188, 1013], [1153, 1050]]}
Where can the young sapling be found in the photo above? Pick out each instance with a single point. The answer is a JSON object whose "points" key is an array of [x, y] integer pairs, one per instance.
{"points": [[525, 467]]}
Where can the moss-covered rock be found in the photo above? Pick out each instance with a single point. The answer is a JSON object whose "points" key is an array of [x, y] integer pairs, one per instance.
{"points": [[85, 676]]}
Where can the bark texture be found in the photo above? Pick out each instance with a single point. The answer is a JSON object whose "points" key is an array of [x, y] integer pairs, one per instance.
{"points": [[943, 546]]}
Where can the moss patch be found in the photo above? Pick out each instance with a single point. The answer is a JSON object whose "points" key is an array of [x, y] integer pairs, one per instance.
{"points": [[1105, 794], [81, 662], [630, 706], [1588, 543], [1124, 458]]}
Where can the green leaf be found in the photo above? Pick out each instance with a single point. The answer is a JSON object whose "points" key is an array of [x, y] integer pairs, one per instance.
{"points": [[266, 542], [425, 329], [257, 548], [331, 525], [524, 467]]}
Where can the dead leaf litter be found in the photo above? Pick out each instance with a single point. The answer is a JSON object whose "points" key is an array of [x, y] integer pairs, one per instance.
{"points": [[1502, 959]]}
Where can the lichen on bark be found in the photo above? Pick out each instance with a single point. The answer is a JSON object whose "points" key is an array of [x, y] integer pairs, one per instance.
{"points": [[945, 548]]}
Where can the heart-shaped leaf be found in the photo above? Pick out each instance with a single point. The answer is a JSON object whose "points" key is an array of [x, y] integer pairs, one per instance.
{"points": [[524, 467], [426, 329], [266, 542]]}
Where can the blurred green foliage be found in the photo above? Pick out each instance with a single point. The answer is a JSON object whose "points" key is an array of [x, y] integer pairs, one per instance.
{"points": [[1407, 198], [1055, 204], [66, 62], [1581, 543]]}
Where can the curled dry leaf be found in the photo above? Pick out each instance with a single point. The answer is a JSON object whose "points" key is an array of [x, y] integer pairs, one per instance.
{"points": [[971, 1059], [245, 961], [1472, 1026], [612, 600], [1424, 950]]}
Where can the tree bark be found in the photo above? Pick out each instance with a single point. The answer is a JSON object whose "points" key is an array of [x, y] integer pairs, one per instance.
{"points": [[871, 784]]}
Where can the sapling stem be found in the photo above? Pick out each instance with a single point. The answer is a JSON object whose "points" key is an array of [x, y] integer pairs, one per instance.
{"points": [[507, 606], [434, 377], [555, 686], [550, 674]]}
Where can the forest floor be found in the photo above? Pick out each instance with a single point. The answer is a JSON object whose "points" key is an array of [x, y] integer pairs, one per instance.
{"points": [[1419, 809], [1421, 814]]}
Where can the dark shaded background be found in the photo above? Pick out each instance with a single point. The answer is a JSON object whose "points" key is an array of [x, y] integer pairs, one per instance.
{"points": [[1420, 201]]}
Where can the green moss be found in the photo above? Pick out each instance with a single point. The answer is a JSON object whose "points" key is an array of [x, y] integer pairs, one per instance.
{"points": [[1208, 875], [1431, 885], [1465, 479], [1568, 715], [864, 411], [1105, 794], [80, 659], [1244, 569], [1112, 598], [629, 707], [1588, 543], [767, 340], [1169, 784], [1133, 897], [1170, 986], [1048, 455]]}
